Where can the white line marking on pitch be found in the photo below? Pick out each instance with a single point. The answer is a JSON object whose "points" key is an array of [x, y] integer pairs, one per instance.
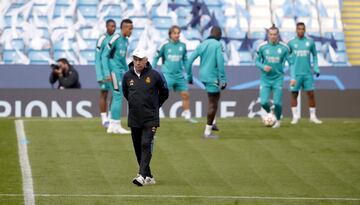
{"points": [[28, 187], [190, 196]]}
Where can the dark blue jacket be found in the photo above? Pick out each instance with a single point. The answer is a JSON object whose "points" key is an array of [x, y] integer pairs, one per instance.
{"points": [[145, 95]]}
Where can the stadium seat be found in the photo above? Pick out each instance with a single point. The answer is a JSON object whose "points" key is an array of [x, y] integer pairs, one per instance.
{"points": [[11, 56], [16, 44], [260, 24], [182, 21], [263, 3], [7, 31], [136, 34], [89, 55], [183, 11], [259, 35], [70, 55], [90, 44], [318, 46], [132, 45], [43, 32], [341, 46], [245, 58], [338, 36], [256, 44], [288, 24], [333, 12], [164, 33], [115, 10], [213, 3], [192, 34], [236, 43], [342, 58], [39, 57], [277, 3], [162, 22], [139, 21], [330, 3], [330, 25], [182, 2], [236, 33], [259, 12], [317, 34], [60, 45], [88, 10], [192, 44], [287, 36], [59, 9], [88, 2], [67, 2]]}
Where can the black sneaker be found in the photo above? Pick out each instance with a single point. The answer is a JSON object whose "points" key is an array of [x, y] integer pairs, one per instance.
{"points": [[215, 128], [139, 180]]}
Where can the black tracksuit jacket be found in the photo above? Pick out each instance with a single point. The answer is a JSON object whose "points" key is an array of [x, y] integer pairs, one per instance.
{"points": [[145, 95]]}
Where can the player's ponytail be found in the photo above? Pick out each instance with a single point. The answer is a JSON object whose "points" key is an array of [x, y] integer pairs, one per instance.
{"points": [[273, 27]]}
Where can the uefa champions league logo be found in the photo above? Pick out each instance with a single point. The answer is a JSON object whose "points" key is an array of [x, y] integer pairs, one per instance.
{"points": [[255, 104]]}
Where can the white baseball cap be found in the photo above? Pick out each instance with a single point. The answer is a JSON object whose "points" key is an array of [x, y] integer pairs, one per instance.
{"points": [[140, 53]]}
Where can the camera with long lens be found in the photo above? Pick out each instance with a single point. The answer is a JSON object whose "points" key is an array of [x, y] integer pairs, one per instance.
{"points": [[54, 66]]}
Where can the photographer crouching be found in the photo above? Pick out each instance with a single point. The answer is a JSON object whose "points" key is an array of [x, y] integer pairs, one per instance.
{"points": [[65, 73]]}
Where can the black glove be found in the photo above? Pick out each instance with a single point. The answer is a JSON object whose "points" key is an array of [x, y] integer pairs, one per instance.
{"points": [[223, 86], [190, 79], [317, 74]]}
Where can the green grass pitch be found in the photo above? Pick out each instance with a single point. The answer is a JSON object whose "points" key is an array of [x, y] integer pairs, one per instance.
{"points": [[73, 161]]}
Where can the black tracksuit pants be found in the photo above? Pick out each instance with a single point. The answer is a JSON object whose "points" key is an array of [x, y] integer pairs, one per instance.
{"points": [[143, 140]]}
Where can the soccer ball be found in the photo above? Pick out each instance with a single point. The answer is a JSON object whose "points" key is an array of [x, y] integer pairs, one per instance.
{"points": [[269, 120]]}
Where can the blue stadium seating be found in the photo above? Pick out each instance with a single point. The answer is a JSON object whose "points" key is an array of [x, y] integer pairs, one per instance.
{"points": [[39, 56], [162, 22], [88, 2], [89, 9], [10, 56], [89, 55], [18, 44], [245, 58]]}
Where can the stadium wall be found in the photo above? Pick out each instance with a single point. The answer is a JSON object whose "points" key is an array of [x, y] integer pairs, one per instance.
{"points": [[234, 103], [25, 91], [240, 78]]}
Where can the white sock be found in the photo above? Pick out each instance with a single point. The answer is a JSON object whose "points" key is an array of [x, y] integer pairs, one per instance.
{"points": [[114, 121], [103, 117], [214, 121], [312, 111], [187, 114], [109, 114], [294, 112], [208, 129]]}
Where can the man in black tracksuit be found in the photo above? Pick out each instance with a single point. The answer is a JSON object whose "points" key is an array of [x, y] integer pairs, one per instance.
{"points": [[145, 90]]}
